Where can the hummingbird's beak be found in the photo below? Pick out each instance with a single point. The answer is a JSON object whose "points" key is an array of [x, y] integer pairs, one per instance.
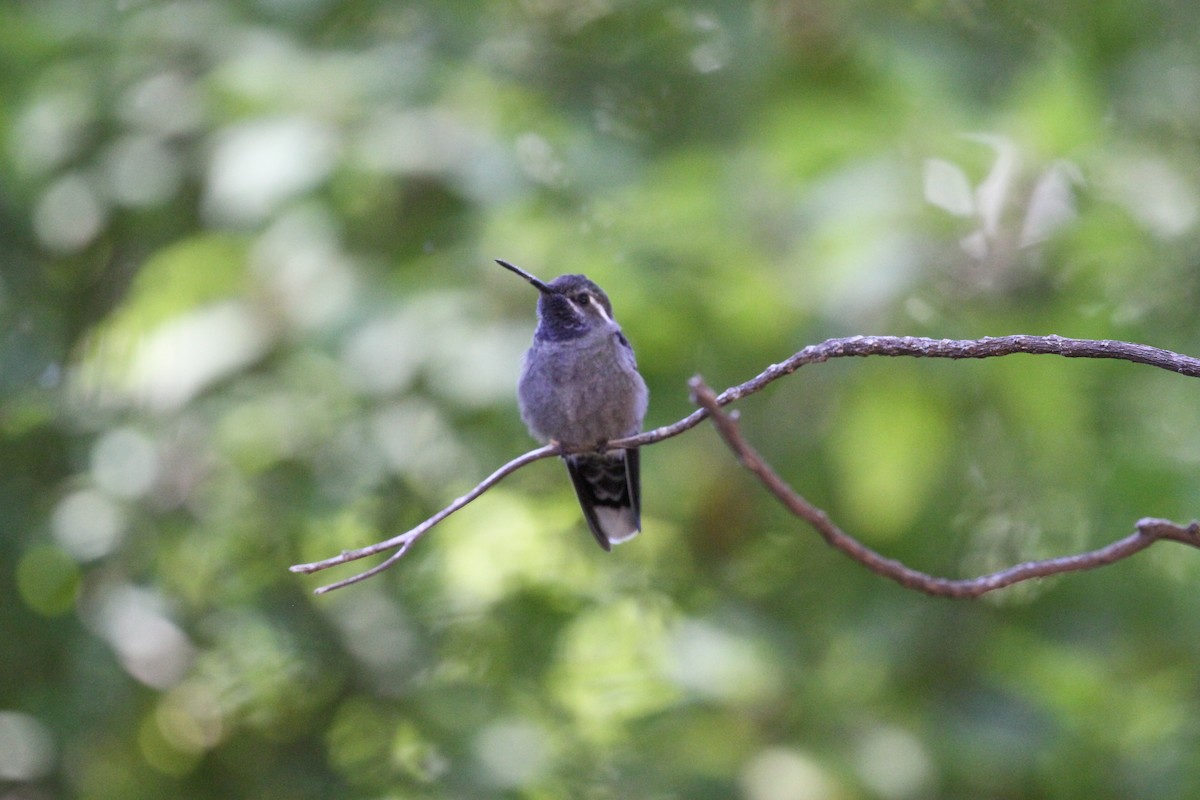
{"points": [[541, 287]]}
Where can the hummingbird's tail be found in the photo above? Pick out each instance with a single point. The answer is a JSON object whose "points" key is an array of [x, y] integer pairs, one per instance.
{"points": [[608, 486]]}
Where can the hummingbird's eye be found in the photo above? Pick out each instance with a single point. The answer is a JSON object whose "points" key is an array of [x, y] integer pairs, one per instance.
{"points": [[582, 298]]}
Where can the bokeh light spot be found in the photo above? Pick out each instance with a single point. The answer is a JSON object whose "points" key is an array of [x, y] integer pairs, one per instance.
{"points": [[69, 215], [87, 524], [124, 462], [513, 752], [781, 774], [257, 165], [26, 747]]}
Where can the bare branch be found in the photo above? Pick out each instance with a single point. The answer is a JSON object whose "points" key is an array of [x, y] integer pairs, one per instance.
{"points": [[919, 347], [406, 539], [361, 576], [1147, 532], [987, 347]]}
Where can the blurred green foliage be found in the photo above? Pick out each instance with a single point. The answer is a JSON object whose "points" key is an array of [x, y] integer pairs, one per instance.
{"points": [[249, 318]]}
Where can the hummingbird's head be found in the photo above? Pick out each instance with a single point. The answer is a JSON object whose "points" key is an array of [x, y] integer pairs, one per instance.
{"points": [[570, 305]]}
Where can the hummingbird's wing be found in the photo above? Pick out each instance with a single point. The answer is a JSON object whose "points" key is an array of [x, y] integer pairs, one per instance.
{"points": [[609, 493]]}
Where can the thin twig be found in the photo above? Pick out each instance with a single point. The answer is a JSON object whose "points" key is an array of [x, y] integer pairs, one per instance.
{"points": [[853, 346], [362, 576], [1147, 532], [406, 539]]}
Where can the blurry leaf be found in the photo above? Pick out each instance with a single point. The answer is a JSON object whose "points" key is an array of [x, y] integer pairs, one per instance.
{"points": [[202, 269], [48, 579], [946, 187]]}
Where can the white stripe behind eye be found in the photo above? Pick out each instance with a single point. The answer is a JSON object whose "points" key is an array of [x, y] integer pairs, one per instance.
{"points": [[599, 307]]}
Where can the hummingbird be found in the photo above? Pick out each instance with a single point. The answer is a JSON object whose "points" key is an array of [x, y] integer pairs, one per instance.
{"points": [[580, 387]]}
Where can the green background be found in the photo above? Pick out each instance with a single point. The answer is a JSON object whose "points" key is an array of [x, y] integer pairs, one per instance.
{"points": [[249, 317]]}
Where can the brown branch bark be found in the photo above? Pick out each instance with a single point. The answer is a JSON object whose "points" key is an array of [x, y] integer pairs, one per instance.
{"points": [[1147, 531]]}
